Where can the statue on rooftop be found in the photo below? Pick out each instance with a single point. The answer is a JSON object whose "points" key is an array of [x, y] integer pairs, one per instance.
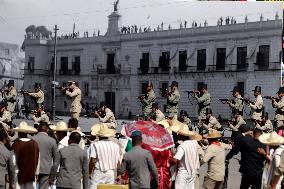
{"points": [[115, 5]]}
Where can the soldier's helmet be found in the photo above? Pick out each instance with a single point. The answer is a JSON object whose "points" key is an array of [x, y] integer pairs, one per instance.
{"points": [[174, 83], [208, 111], [183, 113], [236, 89], [281, 90], [10, 83], [149, 83], [257, 89]]}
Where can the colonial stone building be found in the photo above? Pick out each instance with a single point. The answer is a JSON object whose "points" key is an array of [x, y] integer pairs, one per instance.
{"points": [[115, 67], [11, 65]]}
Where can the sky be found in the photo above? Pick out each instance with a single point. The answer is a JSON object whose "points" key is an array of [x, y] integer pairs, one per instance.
{"points": [[91, 15]]}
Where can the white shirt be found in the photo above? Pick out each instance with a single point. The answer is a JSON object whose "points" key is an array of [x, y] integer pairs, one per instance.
{"points": [[106, 153]]}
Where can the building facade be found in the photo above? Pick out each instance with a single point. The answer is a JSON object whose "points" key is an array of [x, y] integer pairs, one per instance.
{"points": [[11, 65], [116, 66]]}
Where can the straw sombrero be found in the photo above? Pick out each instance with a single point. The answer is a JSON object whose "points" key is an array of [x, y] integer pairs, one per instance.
{"points": [[176, 124], [185, 131], [106, 132], [24, 128], [95, 129], [271, 139], [196, 137], [60, 126], [213, 134], [164, 123]]}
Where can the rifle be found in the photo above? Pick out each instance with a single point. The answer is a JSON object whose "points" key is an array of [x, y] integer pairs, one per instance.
{"points": [[225, 100], [271, 98], [140, 97], [25, 91], [165, 92], [247, 100]]}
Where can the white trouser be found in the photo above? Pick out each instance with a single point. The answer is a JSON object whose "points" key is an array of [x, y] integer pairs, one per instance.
{"points": [[184, 180], [102, 177]]}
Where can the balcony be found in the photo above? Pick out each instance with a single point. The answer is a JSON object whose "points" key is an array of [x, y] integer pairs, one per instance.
{"points": [[153, 70], [112, 70], [271, 66], [69, 72]]}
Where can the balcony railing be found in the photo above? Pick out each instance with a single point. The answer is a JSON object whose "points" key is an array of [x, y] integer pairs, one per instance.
{"points": [[154, 70], [270, 66], [69, 72], [114, 70]]}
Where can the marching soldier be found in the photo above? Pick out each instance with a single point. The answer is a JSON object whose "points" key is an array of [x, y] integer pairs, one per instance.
{"points": [[106, 116], [74, 93], [237, 103], [147, 100], [5, 116], [256, 106], [40, 116], [203, 99], [157, 115], [38, 95], [265, 124], [10, 96], [183, 117], [279, 105], [210, 122], [237, 120], [173, 98]]}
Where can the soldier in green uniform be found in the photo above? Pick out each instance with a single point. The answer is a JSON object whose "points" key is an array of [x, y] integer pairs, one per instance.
{"points": [[203, 100], [38, 95], [237, 103], [147, 100], [173, 98], [237, 120], [183, 117], [279, 105]]}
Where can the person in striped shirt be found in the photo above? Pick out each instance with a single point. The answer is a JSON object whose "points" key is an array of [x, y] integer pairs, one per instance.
{"points": [[104, 158]]}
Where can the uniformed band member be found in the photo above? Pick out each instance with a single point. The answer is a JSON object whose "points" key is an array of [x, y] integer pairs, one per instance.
{"points": [[237, 103], [183, 117], [10, 96], [40, 116], [147, 100], [173, 98], [210, 122], [74, 93], [5, 116], [279, 105], [156, 115], [203, 99], [106, 116], [237, 120], [265, 124], [38, 95], [257, 106]]}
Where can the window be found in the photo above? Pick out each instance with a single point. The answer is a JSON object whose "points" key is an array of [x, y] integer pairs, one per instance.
{"points": [[262, 57], [241, 86], [110, 63], [182, 60], [31, 63], [86, 89], [144, 63], [52, 63], [76, 65], [7, 52], [201, 59], [65, 104], [221, 59], [241, 58], [164, 61], [64, 65]]}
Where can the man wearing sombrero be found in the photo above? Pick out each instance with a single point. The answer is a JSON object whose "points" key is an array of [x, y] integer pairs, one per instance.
{"points": [[187, 158], [104, 158], [215, 156], [26, 153]]}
